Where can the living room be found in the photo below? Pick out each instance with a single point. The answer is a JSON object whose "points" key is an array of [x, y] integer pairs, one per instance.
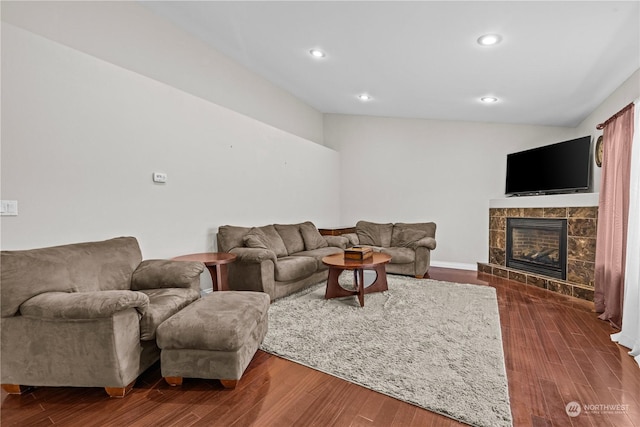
{"points": [[97, 96], [141, 116]]}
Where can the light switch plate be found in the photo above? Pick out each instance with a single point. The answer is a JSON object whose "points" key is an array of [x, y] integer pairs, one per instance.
{"points": [[9, 207]]}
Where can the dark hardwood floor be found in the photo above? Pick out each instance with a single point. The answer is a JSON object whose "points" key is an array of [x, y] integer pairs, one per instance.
{"points": [[556, 352]]}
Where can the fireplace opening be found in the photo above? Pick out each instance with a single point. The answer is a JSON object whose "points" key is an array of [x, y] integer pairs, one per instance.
{"points": [[538, 246]]}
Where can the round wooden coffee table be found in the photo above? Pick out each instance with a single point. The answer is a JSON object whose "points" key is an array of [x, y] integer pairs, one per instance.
{"points": [[216, 263], [337, 264]]}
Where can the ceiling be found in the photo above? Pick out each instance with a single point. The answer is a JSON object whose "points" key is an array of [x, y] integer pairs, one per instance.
{"points": [[556, 63]]}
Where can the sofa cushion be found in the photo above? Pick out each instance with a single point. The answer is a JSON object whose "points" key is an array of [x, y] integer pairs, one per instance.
{"points": [[79, 267], [163, 303], [312, 237], [294, 267], [371, 233], [400, 255], [406, 237], [266, 238], [291, 237], [320, 253]]}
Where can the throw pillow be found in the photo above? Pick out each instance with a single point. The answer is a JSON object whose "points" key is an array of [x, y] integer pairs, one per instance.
{"points": [[312, 237], [266, 238], [255, 238]]}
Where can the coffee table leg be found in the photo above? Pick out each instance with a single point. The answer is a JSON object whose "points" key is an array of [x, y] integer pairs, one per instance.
{"points": [[334, 290], [360, 286], [380, 284]]}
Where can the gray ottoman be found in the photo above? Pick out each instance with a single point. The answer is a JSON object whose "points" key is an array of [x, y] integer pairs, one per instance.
{"points": [[214, 337]]}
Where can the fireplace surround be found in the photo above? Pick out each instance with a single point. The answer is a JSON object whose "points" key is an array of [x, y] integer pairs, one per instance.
{"points": [[580, 248]]}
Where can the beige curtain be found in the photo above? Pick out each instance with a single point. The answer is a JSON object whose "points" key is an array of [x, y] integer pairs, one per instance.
{"points": [[613, 212]]}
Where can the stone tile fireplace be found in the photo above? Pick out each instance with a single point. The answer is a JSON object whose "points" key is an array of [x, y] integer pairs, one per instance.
{"points": [[552, 248]]}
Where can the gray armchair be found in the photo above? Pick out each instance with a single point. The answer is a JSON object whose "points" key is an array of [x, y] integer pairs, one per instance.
{"points": [[86, 314]]}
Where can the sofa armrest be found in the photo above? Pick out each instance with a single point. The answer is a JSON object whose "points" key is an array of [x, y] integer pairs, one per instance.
{"points": [[255, 255], [352, 238], [337, 241], [83, 305], [162, 273], [426, 242]]}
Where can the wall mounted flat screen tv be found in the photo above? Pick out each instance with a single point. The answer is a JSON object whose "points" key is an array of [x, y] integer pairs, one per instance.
{"points": [[564, 167]]}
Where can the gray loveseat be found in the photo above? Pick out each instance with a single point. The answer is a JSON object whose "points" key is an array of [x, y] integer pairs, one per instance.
{"points": [[278, 259], [86, 314], [409, 244]]}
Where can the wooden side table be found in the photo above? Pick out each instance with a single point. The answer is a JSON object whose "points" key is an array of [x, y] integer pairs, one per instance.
{"points": [[216, 263], [336, 231]]}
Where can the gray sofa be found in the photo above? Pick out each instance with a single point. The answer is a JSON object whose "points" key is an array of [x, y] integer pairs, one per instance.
{"points": [[278, 259], [409, 244], [86, 314]]}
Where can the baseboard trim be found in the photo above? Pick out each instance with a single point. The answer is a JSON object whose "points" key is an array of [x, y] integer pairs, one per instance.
{"points": [[456, 265]]}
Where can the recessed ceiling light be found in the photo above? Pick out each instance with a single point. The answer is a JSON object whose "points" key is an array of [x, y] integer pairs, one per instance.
{"points": [[317, 53], [489, 99], [364, 97], [489, 39]]}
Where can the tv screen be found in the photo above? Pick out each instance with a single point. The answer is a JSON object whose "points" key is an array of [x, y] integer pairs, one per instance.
{"points": [[563, 167]]}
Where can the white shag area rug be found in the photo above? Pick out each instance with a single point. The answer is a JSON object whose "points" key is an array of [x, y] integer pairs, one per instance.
{"points": [[433, 344]]}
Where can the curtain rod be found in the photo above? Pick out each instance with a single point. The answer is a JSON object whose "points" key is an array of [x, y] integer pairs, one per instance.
{"points": [[610, 119]]}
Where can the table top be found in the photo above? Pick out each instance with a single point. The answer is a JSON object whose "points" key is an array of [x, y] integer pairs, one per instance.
{"points": [[208, 258], [338, 260]]}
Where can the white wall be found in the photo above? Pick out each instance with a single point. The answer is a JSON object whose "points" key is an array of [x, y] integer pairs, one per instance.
{"points": [[127, 34], [405, 170], [82, 136], [628, 92]]}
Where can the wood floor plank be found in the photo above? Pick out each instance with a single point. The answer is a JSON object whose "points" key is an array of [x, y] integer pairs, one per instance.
{"points": [[387, 413], [262, 403], [554, 401], [404, 417], [556, 351], [547, 348], [540, 422], [371, 407], [347, 414]]}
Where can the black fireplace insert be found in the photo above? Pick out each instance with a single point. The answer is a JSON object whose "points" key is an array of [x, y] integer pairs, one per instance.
{"points": [[538, 245]]}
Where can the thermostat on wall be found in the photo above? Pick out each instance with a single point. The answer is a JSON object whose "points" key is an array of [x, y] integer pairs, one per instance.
{"points": [[159, 177]]}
